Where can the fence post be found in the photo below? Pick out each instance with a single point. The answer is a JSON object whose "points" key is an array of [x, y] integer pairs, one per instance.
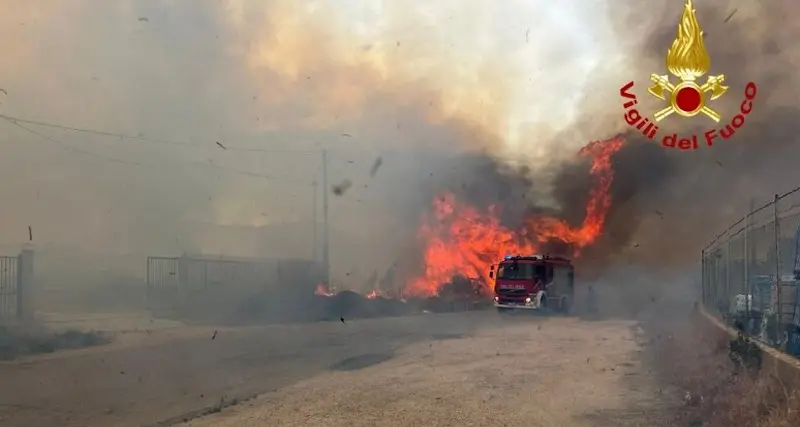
{"points": [[728, 295], [205, 275], [778, 284], [183, 276], [25, 285], [148, 290], [748, 292], [703, 277]]}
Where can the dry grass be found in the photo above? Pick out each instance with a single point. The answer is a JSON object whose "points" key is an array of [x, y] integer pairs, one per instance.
{"points": [[694, 357]]}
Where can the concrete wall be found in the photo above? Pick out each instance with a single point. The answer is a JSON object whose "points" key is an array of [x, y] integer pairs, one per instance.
{"points": [[775, 363]]}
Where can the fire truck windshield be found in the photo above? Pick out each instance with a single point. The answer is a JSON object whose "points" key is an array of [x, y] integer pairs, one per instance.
{"points": [[519, 271]]}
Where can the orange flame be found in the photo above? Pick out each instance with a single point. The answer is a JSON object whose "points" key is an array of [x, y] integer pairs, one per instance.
{"points": [[463, 241], [323, 291], [374, 294]]}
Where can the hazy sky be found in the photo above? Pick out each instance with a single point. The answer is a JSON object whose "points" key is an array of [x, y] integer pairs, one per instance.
{"points": [[263, 75], [411, 81]]}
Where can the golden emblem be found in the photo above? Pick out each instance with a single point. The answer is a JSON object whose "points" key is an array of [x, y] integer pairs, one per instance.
{"points": [[687, 59]]}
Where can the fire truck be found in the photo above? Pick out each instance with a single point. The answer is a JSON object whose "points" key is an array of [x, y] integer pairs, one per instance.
{"points": [[533, 282]]}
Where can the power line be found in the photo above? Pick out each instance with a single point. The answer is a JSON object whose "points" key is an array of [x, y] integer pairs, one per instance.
{"points": [[64, 146], [17, 120], [68, 147]]}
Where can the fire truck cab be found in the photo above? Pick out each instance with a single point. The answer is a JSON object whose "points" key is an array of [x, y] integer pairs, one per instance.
{"points": [[533, 282]]}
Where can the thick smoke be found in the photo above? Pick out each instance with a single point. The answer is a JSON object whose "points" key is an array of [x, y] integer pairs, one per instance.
{"points": [[449, 99], [669, 204], [675, 202]]}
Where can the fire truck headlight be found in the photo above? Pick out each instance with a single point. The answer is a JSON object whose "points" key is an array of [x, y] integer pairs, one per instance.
{"points": [[528, 300], [496, 299]]}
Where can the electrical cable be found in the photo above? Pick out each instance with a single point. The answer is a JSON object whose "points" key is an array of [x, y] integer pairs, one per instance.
{"points": [[18, 120], [64, 146]]}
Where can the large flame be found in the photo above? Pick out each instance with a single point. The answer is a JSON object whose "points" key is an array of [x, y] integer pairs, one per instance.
{"points": [[461, 240], [687, 58]]}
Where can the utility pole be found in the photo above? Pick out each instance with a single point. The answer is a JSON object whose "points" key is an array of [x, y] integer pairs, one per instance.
{"points": [[315, 225], [325, 229]]}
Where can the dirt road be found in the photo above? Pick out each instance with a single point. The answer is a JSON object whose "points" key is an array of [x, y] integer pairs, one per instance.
{"points": [[460, 369]]}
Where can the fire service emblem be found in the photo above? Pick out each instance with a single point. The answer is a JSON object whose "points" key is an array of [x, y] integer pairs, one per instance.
{"points": [[687, 61]]}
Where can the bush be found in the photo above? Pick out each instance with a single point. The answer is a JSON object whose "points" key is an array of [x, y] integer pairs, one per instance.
{"points": [[18, 341], [694, 359]]}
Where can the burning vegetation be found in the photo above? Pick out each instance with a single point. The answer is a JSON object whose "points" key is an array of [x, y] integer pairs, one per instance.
{"points": [[459, 240]]}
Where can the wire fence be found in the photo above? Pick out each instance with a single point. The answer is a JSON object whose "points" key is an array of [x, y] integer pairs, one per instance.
{"points": [[750, 273]]}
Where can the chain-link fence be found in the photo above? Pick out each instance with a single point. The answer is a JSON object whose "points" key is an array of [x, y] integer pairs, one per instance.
{"points": [[751, 270]]}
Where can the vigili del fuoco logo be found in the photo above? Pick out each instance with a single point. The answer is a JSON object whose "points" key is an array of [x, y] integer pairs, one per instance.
{"points": [[688, 61]]}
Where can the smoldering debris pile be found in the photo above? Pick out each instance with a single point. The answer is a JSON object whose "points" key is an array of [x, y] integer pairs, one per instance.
{"points": [[351, 305], [460, 294]]}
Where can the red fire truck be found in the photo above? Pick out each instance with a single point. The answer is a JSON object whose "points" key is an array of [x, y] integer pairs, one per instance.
{"points": [[533, 282]]}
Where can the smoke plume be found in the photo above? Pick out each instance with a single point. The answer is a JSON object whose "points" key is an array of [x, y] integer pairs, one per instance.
{"points": [[491, 100]]}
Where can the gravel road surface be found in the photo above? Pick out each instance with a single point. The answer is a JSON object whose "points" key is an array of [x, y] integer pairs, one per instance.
{"points": [[465, 369]]}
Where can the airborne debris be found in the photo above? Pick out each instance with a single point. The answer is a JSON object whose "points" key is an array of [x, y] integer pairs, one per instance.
{"points": [[342, 319], [221, 146], [340, 188], [143, 19], [30, 234], [3, 90], [214, 335], [375, 166], [720, 164], [659, 214], [730, 16], [347, 135]]}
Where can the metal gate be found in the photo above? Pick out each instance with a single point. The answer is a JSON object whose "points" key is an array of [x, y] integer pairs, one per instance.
{"points": [[9, 284], [163, 279]]}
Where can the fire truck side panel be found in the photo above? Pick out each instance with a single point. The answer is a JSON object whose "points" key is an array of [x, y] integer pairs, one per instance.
{"points": [[560, 284], [561, 290]]}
